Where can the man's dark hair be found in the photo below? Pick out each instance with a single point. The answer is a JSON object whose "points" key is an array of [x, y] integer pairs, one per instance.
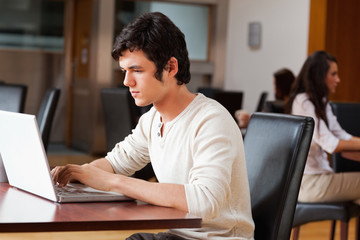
{"points": [[160, 39]]}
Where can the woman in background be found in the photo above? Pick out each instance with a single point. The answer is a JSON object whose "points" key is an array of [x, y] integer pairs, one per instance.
{"points": [[309, 97], [283, 79]]}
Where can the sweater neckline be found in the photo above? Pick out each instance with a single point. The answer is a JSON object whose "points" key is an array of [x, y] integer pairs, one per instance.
{"points": [[169, 124]]}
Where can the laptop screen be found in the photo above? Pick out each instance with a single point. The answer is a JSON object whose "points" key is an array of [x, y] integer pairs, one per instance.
{"points": [[23, 154]]}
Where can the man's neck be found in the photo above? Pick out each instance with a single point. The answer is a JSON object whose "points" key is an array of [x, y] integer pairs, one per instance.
{"points": [[175, 103]]}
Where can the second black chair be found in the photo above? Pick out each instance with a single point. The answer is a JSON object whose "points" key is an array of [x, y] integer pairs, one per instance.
{"points": [[12, 97], [276, 148], [46, 113], [261, 103], [231, 100], [276, 106], [209, 91], [120, 116]]}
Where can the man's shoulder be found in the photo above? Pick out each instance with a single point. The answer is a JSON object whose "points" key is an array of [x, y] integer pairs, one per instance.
{"points": [[208, 103], [209, 110]]}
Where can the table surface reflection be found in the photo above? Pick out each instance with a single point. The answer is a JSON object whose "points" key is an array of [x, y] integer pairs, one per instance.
{"points": [[24, 212]]}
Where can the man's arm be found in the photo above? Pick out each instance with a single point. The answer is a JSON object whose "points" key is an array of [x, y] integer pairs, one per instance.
{"points": [[100, 175], [161, 194], [103, 164]]}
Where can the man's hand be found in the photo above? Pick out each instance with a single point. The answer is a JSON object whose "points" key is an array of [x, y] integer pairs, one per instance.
{"points": [[87, 174], [55, 173], [100, 175]]}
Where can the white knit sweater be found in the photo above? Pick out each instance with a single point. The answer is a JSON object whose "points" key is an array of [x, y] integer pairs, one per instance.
{"points": [[202, 148]]}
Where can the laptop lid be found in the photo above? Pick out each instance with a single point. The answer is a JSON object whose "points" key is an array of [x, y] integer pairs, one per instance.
{"points": [[3, 176], [25, 159]]}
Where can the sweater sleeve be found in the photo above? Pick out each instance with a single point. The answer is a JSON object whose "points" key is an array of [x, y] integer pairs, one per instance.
{"points": [[217, 147]]}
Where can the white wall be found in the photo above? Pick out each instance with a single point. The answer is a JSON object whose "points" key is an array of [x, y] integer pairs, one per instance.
{"points": [[284, 40]]}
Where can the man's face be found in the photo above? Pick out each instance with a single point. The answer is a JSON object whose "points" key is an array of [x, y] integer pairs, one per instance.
{"points": [[140, 78]]}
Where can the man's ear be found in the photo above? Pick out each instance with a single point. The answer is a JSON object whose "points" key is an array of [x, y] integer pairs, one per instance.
{"points": [[173, 67]]}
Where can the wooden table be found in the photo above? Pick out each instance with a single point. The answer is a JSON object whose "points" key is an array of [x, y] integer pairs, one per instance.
{"points": [[24, 212]]}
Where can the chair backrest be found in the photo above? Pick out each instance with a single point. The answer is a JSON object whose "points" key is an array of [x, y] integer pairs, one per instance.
{"points": [[276, 106], [120, 113], [348, 116], [231, 100], [46, 113], [12, 97], [261, 103], [276, 149], [209, 91]]}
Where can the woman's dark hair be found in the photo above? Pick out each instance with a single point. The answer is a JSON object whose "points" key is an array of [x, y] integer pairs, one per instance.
{"points": [[160, 39], [284, 78], [312, 81]]}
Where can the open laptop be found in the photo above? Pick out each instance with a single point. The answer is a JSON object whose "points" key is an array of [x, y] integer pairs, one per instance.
{"points": [[27, 167], [3, 176]]}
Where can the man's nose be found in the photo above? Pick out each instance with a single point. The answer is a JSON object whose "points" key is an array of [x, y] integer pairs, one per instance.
{"points": [[128, 81]]}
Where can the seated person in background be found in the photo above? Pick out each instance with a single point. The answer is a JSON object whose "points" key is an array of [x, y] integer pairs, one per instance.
{"points": [[193, 143], [309, 97], [283, 79]]}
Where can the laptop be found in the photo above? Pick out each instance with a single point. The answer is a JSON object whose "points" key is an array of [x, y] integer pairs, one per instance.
{"points": [[27, 167], [3, 176]]}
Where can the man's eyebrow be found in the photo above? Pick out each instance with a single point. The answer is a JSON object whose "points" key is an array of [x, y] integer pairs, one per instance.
{"points": [[131, 67], [135, 67]]}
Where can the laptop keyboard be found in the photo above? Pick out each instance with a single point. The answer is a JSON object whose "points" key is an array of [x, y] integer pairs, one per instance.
{"points": [[77, 189]]}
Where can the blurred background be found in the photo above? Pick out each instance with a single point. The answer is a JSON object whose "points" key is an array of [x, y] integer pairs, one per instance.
{"points": [[233, 45]]}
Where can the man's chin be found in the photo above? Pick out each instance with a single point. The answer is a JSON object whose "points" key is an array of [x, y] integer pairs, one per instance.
{"points": [[141, 104]]}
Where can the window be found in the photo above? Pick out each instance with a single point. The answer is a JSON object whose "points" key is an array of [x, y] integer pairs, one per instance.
{"points": [[28, 24], [192, 19]]}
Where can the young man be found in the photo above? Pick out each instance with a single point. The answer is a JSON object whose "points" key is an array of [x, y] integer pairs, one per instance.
{"points": [[193, 143]]}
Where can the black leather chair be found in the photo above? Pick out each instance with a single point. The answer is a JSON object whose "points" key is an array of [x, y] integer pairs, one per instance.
{"points": [[261, 103], [209, 91], [276, 106], [231, 100], [121, 115], [12, 97], [276, 149], [348, 115], [46, 114]]}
